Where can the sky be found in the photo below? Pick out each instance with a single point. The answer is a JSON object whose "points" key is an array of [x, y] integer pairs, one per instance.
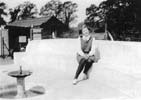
{"points": [[82, 5]]}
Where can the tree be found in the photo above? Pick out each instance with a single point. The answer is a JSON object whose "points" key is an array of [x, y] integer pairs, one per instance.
{"points": [[69, 9], [94, 17], [137, 5], [120, 17], [14, 14], [117, 15], [2, 13], [52, 8], [63, 11], [23, 11]]}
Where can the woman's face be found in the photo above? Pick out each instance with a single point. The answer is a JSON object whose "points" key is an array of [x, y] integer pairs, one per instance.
{"points": [[85, 31]]}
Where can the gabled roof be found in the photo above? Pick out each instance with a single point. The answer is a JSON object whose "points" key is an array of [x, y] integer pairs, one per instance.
{"points": [[53, 22], [29, 22]]}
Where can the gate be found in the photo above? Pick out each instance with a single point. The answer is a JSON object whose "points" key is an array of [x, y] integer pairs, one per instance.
{"points": [[4, 43]]}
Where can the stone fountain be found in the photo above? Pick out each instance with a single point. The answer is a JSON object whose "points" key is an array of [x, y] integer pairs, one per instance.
{"points": [[20, 75]]}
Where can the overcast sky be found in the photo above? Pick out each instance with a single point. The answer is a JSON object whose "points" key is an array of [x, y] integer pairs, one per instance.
{"points": [[82, 5]]}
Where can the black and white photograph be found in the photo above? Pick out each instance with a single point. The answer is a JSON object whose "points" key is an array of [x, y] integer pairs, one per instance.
{"points": [[70, 49]]}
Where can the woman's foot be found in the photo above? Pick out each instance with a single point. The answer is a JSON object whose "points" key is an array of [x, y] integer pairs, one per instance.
{"points": [[75, 81]]}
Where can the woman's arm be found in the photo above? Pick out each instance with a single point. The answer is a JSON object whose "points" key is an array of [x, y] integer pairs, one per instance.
{"points": [[92, 52], [79, 50]]}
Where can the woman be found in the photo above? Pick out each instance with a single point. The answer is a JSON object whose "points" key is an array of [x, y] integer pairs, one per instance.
{"points": [[85, 54]]}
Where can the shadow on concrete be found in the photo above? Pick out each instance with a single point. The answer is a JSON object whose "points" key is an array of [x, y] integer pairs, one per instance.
{"points": [[6, 61], [10, 91], [35, 91]]}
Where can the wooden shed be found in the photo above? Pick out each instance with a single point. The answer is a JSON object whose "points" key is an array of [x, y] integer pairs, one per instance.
{"points": [[21, 31]]}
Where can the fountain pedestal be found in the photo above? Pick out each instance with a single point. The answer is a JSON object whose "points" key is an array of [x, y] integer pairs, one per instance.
{"points": [[20, 76], [21, 87]]}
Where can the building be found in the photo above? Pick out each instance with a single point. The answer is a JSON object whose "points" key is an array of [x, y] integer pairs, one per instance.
{"points": [[21, 31]]}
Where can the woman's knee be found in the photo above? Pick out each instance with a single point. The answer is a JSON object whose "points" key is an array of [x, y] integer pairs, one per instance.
{"points": [[82, 60]]}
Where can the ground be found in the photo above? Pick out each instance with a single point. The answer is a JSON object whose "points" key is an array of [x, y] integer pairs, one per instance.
{"points": [[107, 81], [60, 87]]}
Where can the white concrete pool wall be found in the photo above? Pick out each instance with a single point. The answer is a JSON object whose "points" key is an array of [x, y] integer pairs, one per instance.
{"points": [[59, 53]]}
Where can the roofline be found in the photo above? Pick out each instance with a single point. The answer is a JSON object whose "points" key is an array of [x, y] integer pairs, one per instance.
{"points": [[25, 20]]}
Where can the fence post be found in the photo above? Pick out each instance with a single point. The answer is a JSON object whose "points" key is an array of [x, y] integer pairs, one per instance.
{"points": [[31, 32], [3, 47]]}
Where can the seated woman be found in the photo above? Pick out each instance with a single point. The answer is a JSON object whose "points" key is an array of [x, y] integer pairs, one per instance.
{"points": [[85, 54]]}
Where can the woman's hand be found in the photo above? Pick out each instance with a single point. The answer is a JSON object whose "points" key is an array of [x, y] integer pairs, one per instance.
{"points": [[86, 56]]}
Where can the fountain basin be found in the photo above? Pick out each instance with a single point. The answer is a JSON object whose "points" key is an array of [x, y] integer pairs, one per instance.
{"points": [[19, 74]]}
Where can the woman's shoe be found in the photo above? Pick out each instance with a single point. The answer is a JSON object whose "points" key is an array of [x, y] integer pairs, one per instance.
{"points": [[75, 81]]}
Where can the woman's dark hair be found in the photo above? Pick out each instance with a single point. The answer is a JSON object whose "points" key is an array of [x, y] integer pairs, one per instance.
{"points": [[80, 32]]}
